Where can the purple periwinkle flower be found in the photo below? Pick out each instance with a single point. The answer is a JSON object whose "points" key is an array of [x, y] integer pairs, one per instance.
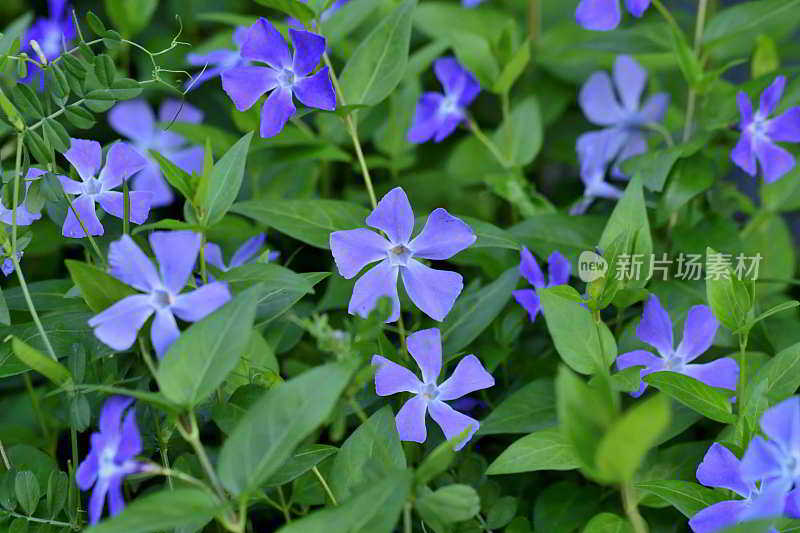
{"points": [[8, 265], [760, 133], [471, 3], [605, 15], [24, 217], [135, 120], [52, 34], [433, 291], [111, 457], [596, 150], [722, 469], [284, 75], [558, 268], [655, 328], [429, 397], [438, 115], [96, 185], [218, 61], [244, 254], [176, 252]]}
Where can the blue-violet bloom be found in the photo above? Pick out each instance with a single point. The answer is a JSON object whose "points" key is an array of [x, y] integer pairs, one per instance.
{"points": [[433, 291], [176, 252], [135, 120], [426, 348], [596, 150], [438, 115], [760, 133], [605, 15], [111, 457], [52, 34], [8, 265], [700, 326], [558, 273], [284, 75], [244, 254], [218, 61]]}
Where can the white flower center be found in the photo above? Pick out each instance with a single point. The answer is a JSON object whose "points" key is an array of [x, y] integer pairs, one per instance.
{"points": [[449, 105], [161, 299], [430, 391], [106, 465], [286, 78], [399, 255], [758, 128], [92, 187]]}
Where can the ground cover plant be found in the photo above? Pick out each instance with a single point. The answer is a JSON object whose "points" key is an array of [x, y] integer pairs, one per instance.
{"points": [[374, 266]]}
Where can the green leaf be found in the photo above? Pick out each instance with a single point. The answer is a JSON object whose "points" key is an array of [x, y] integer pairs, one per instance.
{"points": [[473, 312], [198, 362], [688, 498], [56, 135], [99, 289], [547, 449], [95, 23], [489, 235], [175, 176], [303, 460], [57, 488], [531, 408], [267, 435], [782, 374], [748, 17], [27, 101], [225, 181], [79, 117], [27, 491], [608, 523], [348, 17], [42, 152], [565, 506], [293, 8], [731, 299], [309, 221], [130, 16], [586, 345], [475, 53], [687, 61], [513, 69], [439, 460], [104, 69], [654, 166], [450, 504], [696, 395], [14, 31], [52, 370], [624, 446], [162, 511], [379, 62], [548, 232], [520, 137]]}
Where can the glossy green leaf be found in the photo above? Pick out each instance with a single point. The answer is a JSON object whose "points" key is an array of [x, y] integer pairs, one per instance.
{"points": [[225, 181], [547, 449]]}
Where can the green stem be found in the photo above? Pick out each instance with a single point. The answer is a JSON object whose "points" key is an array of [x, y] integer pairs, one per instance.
{"points": [[631, 508], [324, 485], [126, 208], [407, 518], [55, 114], [743, 338], [659, 128], [285, 508], [487, 142], [6, 462], [38, 520], [35, 403], [691, 103], [534, 19], [193, 438], [666, 14]]}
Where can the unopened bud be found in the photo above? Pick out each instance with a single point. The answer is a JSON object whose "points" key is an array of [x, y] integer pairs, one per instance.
{"points": [[38, 50]]}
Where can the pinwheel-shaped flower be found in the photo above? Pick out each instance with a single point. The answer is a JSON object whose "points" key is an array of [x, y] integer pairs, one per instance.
{"points": [[760, 133], [655, 328], [596, 150], [433, 291], [218, 61], [244, 254], [438, 115], [558, 268], [429, 397], [52, 34], [284, 76], [605, 15], [721, 469], [618, 108], [24, 217], [176, 252], [111, 457], [135, 120], [122, 161]]}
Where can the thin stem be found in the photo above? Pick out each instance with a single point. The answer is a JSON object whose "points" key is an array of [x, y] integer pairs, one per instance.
{"points": [[203, 272], [324, 485], [691, 103], [285, 508], [487, 142], [358, 410], [534, 19], [631, 508], [35, 403], [401, 331], [39, 520], [193, 439], [126, 207], [148, 359], [666, 14], [55, 114], [6, 462], [743, 337], [407, 518], [659, 128], [169, 474]]}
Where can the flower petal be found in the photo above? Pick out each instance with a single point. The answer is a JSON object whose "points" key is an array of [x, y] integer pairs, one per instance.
{"points": [[213, 256], [110, 422], [722, 373], [771, 96], [265, 43], [308, 50], [743, 154], [174, 110], [84, 206], [379, 281], [391, 378], [598, 15], [598, 101], [393, 216], [452, 422], [721, 469], [448, 125], [70, 186], [97, 500], [199, 303], [433, 291], [442, 237], [529, 268], [275, 112], [655, 108], [88, 469], [781, 423], [761, 460], [650, 362], [637, 7], [122, 161], [425, 346], [718, 516], [770, 503], [469, 376], [86, 156], [248, 250], [427, 120], [316, 91], [150, 180], [116, 503], [113, 203], [356, 248], [163, 332], [245, 85], [785, 127], [131, 266], [655, 327], [775, 161], [456, 80], [630, 79], [118, 325], [699, 329], [529, 301], [133, 119], [130, 443], [410, 420], [176, 252], [558, 269]]}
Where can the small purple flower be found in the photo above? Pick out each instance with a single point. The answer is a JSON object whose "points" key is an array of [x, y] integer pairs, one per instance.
{"points": [[284, 76], [605, 15], [596, 150], [218, 61], [426, 348], [111, 457], [241, 256], [176, 252], [96, 185], [52, 34], [776, 461], [721, 469], [326, 15], [433, 291], [471, 3], [438, 115], [617, 106], [655, 328], [8, 264], [135, 120], [760, 133], [24, 217], [558, 272]]}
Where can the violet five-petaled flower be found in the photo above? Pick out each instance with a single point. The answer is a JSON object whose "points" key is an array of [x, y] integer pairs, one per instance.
{"points": [[760, 133], [135, 120], [433, 291], [218, 61], [284, 75], [51, 33], [244, 254], [96, 185], [722, 469], [176, 252], [605, 15], [429, 397], [558, 273], [438, 115], [111, 457], [655, 328]]}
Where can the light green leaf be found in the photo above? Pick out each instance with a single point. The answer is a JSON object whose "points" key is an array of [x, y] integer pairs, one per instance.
{"points": [[547, 449], [293, 8], [99, 289], [708, 401], [687, 497], [608, 523], [449, 504], [530, 408], [225, 181], [520, 137]]}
